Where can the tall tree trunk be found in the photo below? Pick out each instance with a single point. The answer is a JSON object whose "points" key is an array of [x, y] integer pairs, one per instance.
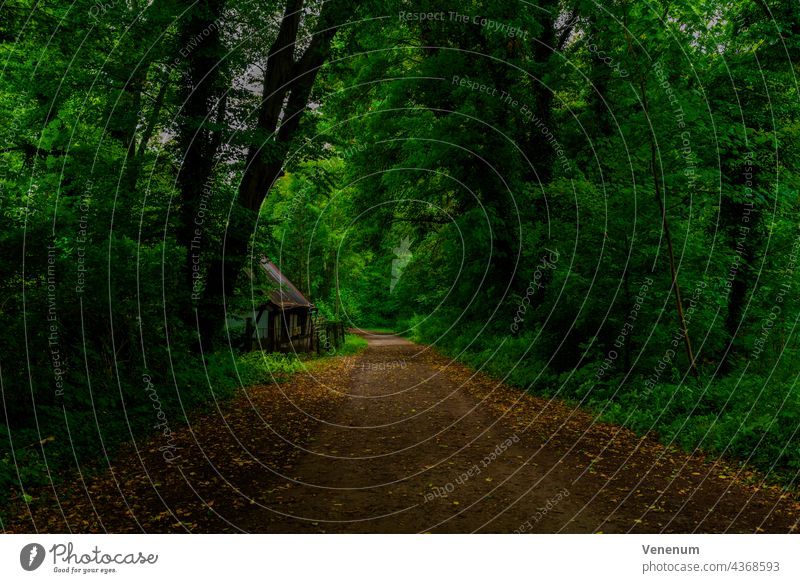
{"points": [[668, 236], [133, 164], [286, 91], [200, 37], [152, 119], [742, 222], [538, 148]]}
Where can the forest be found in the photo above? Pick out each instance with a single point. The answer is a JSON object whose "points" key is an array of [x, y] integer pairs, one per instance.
{"points": [[593, 203]]}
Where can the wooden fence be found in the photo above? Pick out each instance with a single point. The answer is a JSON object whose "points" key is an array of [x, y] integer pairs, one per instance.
{"points": [[327, 336], [318, 335]]}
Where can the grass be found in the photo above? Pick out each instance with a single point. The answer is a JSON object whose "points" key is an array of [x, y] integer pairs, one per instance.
{"points": [[219, 379], [752, 419], [353, 344]]}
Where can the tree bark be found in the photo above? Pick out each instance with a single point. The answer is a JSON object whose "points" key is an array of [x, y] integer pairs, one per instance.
{"points": [[286, 81], [201, 94], [667, 235]]}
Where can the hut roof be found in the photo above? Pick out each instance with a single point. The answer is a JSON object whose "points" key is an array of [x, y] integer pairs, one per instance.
{"points": [[285, 295]]}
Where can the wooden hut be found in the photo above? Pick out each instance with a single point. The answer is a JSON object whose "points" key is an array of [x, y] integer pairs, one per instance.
{"points": [[284, 322]]}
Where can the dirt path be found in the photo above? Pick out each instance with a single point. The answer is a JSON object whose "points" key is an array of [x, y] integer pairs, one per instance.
{"points": [[400, 439], [421, 445]]}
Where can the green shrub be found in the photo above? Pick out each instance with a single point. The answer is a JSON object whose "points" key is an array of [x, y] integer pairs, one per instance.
{"points": [[754, 418]]}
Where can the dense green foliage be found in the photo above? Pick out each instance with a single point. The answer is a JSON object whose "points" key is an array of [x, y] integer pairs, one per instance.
{"points": [[524, 185], [532, 197]]}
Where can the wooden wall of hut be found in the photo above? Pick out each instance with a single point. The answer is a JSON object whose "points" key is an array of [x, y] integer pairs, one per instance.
{"points": [[293, 330]]}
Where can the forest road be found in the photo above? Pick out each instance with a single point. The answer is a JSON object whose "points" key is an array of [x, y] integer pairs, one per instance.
{"points": [[421, 444], [400, 439]]}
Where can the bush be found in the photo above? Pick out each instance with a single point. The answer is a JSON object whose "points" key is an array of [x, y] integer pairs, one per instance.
{"points": [[754, 418], [116, 414]]}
